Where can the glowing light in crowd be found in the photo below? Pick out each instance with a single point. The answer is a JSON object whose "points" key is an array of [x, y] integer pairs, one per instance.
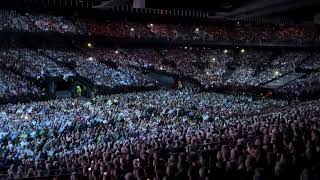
{"points": [[242, 50], [197, 30], [90, 58], [225, 51], [186, 47], [276, 73], [151, 25], [131, 29], [213, 59], [161, 68], [89, 45], [117, 52], [26, 117]]}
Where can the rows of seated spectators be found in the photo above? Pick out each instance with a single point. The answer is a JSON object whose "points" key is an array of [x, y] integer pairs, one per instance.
{"points": [[306, 85], [210, 66], [42, 63], [272, 68], [102, 74], [14, 21], [33, 136], [161, 135], [31, 63], [11, 20], [54, 23], [237, 32], [125, 67], [182, 60], [196, 63], [95, 67], [312, 62], [247, 72], [135, 57], [15, 85], [215, 63]]}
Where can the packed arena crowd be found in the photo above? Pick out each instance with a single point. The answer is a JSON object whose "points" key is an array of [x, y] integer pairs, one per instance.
{"points": [[34, 120], [43, 63], [31, 63], [307, 85], [161, 135], [98, 69], [210, 66], [15, 85], [247, 73], [126, 67], [228, 31], [186, 132]]}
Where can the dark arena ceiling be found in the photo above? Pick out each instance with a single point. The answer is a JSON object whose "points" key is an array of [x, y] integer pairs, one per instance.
{"points": [[251, 8], [295, 9]]}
